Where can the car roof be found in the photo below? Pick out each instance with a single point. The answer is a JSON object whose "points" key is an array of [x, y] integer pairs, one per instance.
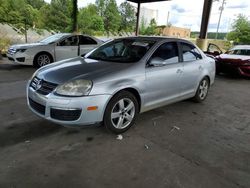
{"points": [[241, 47], [156, 38]]}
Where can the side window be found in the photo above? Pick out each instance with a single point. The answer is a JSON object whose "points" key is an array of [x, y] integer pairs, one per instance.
{"points": [[86, 40], [69, 41], [167, 52], [190, 52]]}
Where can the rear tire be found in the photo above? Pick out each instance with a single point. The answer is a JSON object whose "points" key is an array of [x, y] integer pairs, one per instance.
{"points": [[42, 59], [202, 90], [121, 112]]}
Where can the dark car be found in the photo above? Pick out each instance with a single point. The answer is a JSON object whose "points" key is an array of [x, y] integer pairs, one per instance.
{"points": [[235, 61]]}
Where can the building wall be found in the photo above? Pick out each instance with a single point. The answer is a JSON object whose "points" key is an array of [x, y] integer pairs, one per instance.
{"points": [[173, 31], [147, 15]]}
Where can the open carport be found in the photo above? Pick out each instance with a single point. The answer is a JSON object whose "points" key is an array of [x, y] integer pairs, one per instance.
{"points": [[181, 145], [185, 144]]}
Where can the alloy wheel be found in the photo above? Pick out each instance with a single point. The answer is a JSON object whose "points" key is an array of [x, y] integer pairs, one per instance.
{"points": [[43, 60], [123, 113], [203, 89]]}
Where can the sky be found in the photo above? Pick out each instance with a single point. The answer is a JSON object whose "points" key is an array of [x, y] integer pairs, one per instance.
{"points": [[187, 13]]}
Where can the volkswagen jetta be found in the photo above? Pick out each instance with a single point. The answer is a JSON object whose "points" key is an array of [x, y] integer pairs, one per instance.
{"points": [[120, 79]]}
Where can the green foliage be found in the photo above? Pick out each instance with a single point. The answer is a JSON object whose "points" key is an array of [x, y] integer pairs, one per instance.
{"points": [[150, 30], [111, 17], [64, 16], [210, 35], [241, 31], [128, 18], [89, 20]]}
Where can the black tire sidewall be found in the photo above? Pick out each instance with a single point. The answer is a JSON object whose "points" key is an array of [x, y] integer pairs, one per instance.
{"points": [[107, 115], [197, 96]]}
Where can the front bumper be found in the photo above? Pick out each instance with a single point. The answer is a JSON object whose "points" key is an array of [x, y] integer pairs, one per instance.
{"points": [[234, 69], [68, 111], [20, 58], [244, 70]]}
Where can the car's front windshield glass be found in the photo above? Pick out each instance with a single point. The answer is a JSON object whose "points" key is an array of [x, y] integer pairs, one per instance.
{"points": [[239, 52], [122, 50], [52, 38]]}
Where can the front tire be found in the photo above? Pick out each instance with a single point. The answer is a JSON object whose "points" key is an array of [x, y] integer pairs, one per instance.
{"points": [[42, 59], [121, 112], [202, 90]]}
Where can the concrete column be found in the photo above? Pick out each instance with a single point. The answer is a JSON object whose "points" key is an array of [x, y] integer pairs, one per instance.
{"points": [[202, 44]]}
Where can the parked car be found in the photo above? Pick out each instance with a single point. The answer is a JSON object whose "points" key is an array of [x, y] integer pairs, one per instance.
{"points": [[54, 48], [235, 61], [120, 79]]}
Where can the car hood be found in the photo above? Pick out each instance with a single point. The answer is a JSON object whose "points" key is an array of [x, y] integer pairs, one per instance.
{"points": [[25, 46], [235, 57], [79, 68]]}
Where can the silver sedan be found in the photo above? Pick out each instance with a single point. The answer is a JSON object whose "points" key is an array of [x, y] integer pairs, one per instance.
{"points": [[120, 79]]}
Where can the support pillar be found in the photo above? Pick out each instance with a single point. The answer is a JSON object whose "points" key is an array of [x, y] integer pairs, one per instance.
{"points": [[202, 41], [137, 19]]}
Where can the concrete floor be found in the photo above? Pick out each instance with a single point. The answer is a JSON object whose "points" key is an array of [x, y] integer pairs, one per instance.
{"points": [[211, 148]]}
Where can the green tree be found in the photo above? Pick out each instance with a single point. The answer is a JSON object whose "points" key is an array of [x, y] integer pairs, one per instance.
{"points": [[240, 33], [151, 29], [101, 6], [108, 10], [89, 20], [37, 4], [57, 15], [128, 18]]}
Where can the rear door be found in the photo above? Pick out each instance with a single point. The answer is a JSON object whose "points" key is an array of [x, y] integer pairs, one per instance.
{"points": [[86, 44], [67, 48], [163, 80], [193, 65]]}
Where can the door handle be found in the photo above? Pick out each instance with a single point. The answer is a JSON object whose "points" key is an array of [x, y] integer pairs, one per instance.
{"points": [[179, 71]]}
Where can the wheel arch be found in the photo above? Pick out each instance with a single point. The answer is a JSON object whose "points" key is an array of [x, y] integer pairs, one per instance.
{"points": [[131, 90], [43, 52], [209, 80]]}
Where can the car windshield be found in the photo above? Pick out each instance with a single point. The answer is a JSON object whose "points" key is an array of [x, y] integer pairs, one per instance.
{"points": [[239, 52], [52, 38], [122, 50]]}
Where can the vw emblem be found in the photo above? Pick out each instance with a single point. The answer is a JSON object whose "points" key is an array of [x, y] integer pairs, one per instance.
{"points": [[38, 85]]}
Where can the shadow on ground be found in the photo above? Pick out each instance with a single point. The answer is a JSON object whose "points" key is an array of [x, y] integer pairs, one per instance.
{"points": [[22, 132]]}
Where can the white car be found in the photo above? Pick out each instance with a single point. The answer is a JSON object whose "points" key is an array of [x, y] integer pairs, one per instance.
{"points": [[54, 48]]}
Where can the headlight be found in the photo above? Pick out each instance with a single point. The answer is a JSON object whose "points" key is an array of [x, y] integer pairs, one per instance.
{"points": [[75, 88], [21, 50]]}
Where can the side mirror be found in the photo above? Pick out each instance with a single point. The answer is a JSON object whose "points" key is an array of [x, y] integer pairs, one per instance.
{"points": [[83, 55], [156, 62]]}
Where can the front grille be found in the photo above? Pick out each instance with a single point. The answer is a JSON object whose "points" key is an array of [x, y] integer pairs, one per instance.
{"points": [[37, 107], [41, 86], [65, 115]]}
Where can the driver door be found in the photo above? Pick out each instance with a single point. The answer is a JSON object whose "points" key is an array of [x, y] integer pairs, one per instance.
{"points": [[163, 76], [67, 48]]}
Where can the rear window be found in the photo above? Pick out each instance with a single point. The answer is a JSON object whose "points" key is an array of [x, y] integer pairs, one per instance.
{"points": [[190, 52]]}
